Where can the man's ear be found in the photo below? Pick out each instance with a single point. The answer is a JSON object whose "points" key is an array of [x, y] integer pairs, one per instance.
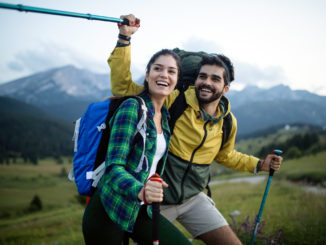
{"points": [[226, 89]]}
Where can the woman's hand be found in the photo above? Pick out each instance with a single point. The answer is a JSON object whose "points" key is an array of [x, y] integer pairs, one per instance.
{"points": [[128, 30], [153, 192]]}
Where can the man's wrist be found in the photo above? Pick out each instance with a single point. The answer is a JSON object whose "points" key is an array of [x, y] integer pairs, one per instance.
{"points": [[119, 44], [257, 169]]}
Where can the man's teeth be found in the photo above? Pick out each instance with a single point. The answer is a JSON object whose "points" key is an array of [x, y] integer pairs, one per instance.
{"points": [[206, 90], [162, 84]]}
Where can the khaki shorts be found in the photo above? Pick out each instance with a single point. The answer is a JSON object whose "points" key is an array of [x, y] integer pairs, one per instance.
{"points": [[198, 215]]}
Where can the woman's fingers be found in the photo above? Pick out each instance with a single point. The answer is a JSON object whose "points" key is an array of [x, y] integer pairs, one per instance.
{"points": [[154, 191]]}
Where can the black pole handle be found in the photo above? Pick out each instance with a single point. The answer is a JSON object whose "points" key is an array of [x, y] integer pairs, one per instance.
{"points": [[125, 22]]}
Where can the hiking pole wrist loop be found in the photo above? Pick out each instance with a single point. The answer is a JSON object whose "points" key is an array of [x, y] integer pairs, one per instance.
{"points": [[123, 37]]}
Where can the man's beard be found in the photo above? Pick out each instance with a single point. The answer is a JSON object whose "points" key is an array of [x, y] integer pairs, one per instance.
{"points": [[214, 97]]}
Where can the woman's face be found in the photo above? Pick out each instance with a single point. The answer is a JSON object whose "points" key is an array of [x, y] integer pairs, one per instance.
{"points": [[162, 76]]}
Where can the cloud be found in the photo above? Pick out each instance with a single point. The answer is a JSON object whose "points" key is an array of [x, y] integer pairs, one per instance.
{"points": [[197, 44], [15, 66], [245, 73], [50, 55], [248, 74]]}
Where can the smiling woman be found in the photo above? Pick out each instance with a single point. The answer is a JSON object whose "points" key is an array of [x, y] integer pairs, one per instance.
{"points": [[130, 190]]}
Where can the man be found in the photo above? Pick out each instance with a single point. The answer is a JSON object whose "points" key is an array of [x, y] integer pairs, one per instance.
{"points": [[195, 142]]}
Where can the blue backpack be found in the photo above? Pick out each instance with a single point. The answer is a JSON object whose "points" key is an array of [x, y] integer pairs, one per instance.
{"points": [[91, 137]]}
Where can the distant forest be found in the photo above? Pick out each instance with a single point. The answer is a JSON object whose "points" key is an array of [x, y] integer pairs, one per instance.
{"points": [[30, 138], [29, 133]]}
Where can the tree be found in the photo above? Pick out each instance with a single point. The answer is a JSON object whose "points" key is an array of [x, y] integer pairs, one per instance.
{"points": [[35, 205]]}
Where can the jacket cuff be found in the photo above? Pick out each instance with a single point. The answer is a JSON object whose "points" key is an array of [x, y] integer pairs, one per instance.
{"points": [[122, 44]]}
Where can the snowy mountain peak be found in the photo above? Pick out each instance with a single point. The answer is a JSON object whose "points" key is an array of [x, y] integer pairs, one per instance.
{"points": [[63, 83]]}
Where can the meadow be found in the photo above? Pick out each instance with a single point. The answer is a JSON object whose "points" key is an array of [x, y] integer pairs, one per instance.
{"points": [[292, 215]]}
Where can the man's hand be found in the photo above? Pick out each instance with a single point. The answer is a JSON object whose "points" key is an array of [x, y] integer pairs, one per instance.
{"points": [[128, 30], [271, 161]]}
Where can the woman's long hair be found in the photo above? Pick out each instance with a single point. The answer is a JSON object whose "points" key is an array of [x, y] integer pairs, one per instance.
{"points": [[154, 58]]}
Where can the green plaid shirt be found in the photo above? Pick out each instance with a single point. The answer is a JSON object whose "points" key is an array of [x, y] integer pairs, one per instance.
{"points": [[120, 185]]}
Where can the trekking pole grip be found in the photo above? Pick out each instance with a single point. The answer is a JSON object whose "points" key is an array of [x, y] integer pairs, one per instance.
{"points": [[156, 212], [276, 152]]}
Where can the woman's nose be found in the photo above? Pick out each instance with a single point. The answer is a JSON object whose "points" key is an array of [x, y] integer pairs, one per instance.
{"points": [[164, 73]]}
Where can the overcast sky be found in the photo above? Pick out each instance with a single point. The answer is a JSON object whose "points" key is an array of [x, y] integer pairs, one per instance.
{"points": [[270, 42]]}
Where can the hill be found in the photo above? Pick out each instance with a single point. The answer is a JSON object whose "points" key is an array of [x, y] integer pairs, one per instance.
{"points": [[29, 132], [66, 92]]}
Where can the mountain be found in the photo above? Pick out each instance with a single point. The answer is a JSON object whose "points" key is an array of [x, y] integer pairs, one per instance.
{"points": [[67, 91], [60, 85], [30, 132], [277, 93], [257, 108], [64, 91]]}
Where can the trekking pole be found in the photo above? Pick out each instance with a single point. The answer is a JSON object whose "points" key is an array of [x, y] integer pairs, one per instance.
{"points": [[156, 213], [271, 173], [21, 7]]}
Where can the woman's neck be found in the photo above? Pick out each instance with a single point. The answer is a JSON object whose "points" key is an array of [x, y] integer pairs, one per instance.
{"points": [[157, 103]]}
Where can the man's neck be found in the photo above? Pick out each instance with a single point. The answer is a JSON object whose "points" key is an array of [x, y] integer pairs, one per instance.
{"points": [[211, 108]]}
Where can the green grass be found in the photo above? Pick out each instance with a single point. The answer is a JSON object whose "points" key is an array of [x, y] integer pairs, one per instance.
{"points": [[309, 168], [301, 215], [21, 182]]}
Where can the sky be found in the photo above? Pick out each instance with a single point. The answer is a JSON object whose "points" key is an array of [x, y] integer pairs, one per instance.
{"points": [[269, 42]]}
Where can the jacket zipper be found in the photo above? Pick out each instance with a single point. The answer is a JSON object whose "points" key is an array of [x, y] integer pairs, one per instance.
{"points": [[191, 162]]}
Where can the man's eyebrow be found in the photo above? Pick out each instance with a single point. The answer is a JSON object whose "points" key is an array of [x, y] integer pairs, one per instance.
{"points": [[216, 77], [202, 73]]}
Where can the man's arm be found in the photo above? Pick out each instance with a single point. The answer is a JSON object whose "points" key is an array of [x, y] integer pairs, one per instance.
{"points": [[120, 59], [121, 80], [233, 159]]}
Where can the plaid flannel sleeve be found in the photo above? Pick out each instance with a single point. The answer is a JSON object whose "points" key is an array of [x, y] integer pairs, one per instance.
{"points": [[123, 129]]}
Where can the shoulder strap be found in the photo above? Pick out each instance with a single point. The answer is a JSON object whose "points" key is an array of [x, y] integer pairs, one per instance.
{"points": [[177, 108], [114, 105], [226, 128]]}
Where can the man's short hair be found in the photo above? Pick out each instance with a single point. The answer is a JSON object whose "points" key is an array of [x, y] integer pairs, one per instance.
{"points": [[221, 61]]}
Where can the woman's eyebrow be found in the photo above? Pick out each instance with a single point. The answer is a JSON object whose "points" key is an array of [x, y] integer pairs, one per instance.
{"points": [[158, 64]]}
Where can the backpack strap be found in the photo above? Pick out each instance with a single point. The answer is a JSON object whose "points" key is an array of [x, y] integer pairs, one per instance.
{"points": [[99, 166], [226, 128], [177, 108]]}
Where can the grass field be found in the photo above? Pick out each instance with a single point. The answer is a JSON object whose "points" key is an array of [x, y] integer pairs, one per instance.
{"points": [[299, 215]]}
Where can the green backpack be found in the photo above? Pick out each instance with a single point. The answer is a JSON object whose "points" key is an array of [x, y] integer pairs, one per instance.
{"points": [[190, 65]]}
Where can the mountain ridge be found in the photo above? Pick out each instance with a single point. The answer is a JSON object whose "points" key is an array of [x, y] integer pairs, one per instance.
{"points": [[67, 91]]}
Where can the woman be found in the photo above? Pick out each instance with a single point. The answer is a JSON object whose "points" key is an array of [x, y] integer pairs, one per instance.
{"points": [[117, 206]]}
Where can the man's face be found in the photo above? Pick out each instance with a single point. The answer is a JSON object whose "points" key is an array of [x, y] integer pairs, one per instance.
{"points": [[210, 84]]}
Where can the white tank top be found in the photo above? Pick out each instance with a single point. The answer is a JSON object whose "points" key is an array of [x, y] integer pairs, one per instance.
{"points": [[160, 150]]}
